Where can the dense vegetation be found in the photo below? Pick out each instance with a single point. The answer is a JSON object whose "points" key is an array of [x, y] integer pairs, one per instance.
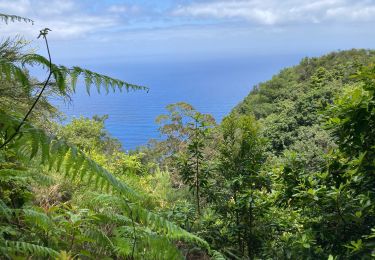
{"points": [[65, 190], [289, 174]]}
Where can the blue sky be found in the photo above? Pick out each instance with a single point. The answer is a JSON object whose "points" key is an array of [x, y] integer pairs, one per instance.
{"points": [[182, 29]]}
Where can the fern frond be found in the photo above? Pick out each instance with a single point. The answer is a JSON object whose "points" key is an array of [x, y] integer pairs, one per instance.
{"points": [[59, 155], [216, 255], [5, 210], [40, 177], [7, 174], [38, 218], [111, 217], [99, 80], [154, 222], [26, 175], [65, 79], [99, 237], [14, 18], [165, 227], [12, 73], [26, 249], [149, 245], [68, 77]]}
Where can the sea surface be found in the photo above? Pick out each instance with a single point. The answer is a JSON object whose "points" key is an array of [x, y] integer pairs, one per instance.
{"points": [[212, 86]]}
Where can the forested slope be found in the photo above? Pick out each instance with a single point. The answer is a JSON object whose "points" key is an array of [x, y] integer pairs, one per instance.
{"points": [[318, 122], [289, 104], [289, 173], [292, 83]]}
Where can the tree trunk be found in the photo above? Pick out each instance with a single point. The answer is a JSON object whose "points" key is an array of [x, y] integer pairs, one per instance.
{"points": [[197, 187], [250, 247], [239, 242]]}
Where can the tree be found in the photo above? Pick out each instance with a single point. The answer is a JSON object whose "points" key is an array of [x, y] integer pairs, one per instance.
{"points": [[240, 161], [192, 163]]}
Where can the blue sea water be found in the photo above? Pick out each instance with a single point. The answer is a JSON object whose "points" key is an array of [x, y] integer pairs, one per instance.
{"points": [[212, 86]]}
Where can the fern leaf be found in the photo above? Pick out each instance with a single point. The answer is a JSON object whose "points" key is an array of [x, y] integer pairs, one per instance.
{"points": [[14, 18], [148, 219], [37, 175], [11, 72], [38, 218], [216, 255], [27, 249], [99, 80], [59, 155], [166, 227], [5, 210], [99, 237], [148, 245], [67, 78]]}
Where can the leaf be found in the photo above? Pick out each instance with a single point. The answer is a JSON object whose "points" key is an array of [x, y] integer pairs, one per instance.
{"points": [[14, 18]]}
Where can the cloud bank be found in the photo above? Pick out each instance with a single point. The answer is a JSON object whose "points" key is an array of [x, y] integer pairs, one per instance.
{"points": [[274, 12], [181, 27]]}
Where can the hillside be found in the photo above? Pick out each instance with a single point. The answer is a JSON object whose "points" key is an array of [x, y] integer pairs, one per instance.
{"points": [[286, 173], [290, 104], [292, 84]]}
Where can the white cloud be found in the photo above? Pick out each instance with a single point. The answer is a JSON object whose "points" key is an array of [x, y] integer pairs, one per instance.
{"points": [[67, 18], [356, 13], [20, 7], [246, 10], [271, 12], [124, 9], [97, 28]]}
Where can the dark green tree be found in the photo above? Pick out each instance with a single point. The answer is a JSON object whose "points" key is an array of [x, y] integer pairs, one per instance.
{"points": [[240, 161], [192, 163]]}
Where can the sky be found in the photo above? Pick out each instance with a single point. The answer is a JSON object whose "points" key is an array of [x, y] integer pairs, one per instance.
{"points": [[142, 30]]}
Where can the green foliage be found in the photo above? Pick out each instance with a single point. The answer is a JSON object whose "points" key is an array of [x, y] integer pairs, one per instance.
{"points": [[34, 143], [11, 248], [58, 198], [240, 160], [291, 100], [191, 164], [65, 79], [287, 175]]}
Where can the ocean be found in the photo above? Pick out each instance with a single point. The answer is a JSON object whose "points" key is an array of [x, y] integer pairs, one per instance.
{"points": [[212, 86]]}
